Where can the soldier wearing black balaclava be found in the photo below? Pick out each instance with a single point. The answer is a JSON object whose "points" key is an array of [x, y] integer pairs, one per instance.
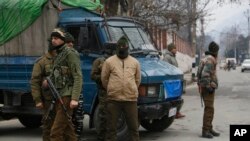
{"points": [[121, 77]]}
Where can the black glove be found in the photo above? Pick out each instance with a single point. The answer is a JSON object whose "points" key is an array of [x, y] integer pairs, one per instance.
{"points": [[210, 90]]}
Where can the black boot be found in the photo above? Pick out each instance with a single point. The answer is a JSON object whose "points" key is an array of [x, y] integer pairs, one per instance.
{"points": [[216, 134], [207, 135]]}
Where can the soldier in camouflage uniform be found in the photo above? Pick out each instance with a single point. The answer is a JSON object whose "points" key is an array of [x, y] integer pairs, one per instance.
{"points": [[102, 93], [78, 114], [67, 78], [207, 82], [42, 96]]}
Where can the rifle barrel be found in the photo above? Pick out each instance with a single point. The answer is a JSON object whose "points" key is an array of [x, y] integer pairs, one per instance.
{"points": [[57, 97]]}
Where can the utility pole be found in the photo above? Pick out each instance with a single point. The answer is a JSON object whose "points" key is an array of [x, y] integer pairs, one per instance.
{"points": [[193, 26], [193, 37], [248, 18], [202, 36], [248, 28]]}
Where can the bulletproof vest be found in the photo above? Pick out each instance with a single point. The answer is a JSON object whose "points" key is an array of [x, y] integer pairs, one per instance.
{"points": [[61, 75]]}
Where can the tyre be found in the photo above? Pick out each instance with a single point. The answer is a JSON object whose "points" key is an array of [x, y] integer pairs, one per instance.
{"points": [[122, 128], [242, 70], [30, 121], [157, 125]]}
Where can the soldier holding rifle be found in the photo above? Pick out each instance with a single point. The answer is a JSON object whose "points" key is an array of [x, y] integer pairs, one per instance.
{"points": [[66, 76]]}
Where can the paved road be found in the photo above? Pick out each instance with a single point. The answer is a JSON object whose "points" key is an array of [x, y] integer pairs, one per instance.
{"points": [[232, 107]]}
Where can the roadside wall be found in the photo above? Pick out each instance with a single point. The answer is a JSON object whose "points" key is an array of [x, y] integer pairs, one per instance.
{"points": [[163, 37]]}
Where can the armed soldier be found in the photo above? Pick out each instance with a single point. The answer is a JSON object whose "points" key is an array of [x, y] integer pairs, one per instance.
{"points": [[102, 93], [207, 82], [78, 114], [41, 95], [67, 78]]}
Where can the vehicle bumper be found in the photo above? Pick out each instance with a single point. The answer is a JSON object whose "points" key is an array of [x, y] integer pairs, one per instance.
{"points": [[19, 110], [158, 110], [245, 68]]}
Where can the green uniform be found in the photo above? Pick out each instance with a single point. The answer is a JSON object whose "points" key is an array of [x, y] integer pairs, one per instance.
{"points": [[41, 69], [102, 93], [67, 78], [207, 80]]}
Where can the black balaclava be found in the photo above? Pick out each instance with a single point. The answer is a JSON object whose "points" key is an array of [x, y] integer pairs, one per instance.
{"points": [[213, 49], [122, 48]]}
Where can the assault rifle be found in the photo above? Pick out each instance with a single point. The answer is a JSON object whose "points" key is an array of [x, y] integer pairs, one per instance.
{"points": [[56, 97]]}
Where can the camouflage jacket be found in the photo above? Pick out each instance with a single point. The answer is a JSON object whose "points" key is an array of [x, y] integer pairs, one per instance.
{"points": [[41, 69], [206, 73], [96, 71], [67, 74]]}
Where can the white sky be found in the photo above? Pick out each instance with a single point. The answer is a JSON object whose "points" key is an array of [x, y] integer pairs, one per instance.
{"points": [[225, 16]]}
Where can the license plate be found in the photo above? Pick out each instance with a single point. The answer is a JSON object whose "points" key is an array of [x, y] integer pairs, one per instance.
{"points": [[172, 112]]}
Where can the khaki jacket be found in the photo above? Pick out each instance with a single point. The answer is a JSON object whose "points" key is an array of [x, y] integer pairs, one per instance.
{"points": [[121, 78], [41, 69]]}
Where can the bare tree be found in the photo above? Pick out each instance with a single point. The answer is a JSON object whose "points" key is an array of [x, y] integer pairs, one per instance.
{"points": [[171, 13], [167, 13]]}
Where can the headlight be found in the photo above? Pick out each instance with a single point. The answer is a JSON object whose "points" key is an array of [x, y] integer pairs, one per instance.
{"points": [[152, 91]]}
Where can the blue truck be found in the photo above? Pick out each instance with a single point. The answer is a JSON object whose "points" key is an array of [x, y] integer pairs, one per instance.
{"points": [[159, 92]]}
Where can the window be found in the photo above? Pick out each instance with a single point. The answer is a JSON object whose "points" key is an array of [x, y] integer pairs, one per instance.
{"points": [[86, 38]]}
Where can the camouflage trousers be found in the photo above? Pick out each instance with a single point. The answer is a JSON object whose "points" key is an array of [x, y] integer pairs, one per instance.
{"points": [[101, 132], [62, 129], [208, 116], [130, 112]]}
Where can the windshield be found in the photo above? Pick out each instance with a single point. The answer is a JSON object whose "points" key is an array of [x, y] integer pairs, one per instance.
{"points": [[246, 62], [138, 39]]}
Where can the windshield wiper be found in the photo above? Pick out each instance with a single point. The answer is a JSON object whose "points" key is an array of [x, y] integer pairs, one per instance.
{"points": [[127, 38], [137, 52]]}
